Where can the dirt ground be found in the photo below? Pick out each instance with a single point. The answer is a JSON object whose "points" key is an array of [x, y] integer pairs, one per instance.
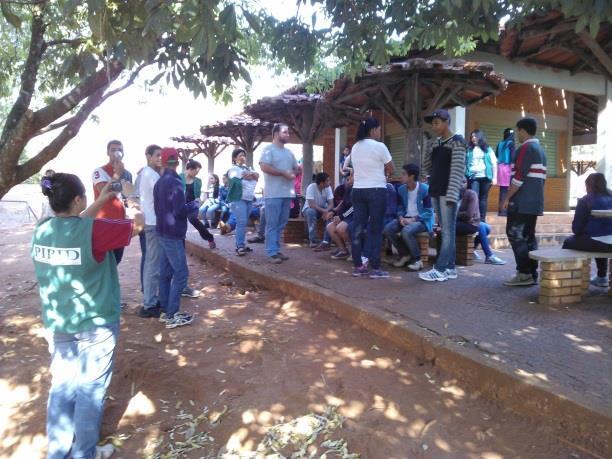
{"points": [[252, 359]]}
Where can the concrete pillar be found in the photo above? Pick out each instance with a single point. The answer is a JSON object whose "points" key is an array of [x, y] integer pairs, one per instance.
{"points": [[604, 133], [458, 119], [567, 161], [339, 143]]}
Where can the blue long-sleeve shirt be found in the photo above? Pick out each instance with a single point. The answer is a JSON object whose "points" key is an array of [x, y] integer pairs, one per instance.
{"points": [[585, 224], [171, 210]]}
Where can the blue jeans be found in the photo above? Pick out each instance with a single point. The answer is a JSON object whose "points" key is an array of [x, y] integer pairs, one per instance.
{"points": [[143, 250], [173, 274], [277, 215], [483, 232], [369, 207], [481, 186], [311, 216], [403, 238], [241, 211], [151, 268], [447, 218], [81, 369]]}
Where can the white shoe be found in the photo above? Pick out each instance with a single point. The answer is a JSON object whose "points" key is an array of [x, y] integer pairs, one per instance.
{"points": [[433, 275], [477, 256], [416, 266], [401, 262], [104, 451], [451, 273]]}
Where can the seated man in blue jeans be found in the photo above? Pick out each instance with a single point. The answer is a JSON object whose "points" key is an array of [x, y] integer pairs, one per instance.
{"points": [[414, 215], [319, 202]]}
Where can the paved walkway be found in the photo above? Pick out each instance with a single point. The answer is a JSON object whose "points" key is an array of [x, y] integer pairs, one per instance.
{"points": [[553, 363]]}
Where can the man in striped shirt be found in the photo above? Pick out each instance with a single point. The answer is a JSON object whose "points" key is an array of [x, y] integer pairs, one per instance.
{"points": [[444, 163], [525, 201]]}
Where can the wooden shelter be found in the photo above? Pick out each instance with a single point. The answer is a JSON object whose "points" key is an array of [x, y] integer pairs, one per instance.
{"points": [[408, 90], [308, 116], [246, 132], [550, 40], [211, 147]]}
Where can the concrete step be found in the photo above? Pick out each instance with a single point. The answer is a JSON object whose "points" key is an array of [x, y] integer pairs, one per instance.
{"points": [[547, 228], [544, 240]]}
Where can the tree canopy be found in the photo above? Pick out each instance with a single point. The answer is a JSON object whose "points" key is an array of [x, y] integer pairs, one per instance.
{"points": [[60, 59]]}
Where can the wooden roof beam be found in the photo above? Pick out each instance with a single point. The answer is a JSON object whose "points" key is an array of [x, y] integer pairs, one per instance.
{"points": [[598, 51]]}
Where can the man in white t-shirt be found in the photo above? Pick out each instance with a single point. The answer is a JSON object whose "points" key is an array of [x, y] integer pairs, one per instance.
{"points": [[147, 178], [319, 200], [414, 215]]}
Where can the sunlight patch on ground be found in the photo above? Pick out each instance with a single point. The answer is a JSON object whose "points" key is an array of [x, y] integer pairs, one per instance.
{"points": [[531, 376], [140, 405]]}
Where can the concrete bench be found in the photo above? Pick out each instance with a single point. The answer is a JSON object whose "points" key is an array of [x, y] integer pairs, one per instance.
{"points": [[564, 274]]}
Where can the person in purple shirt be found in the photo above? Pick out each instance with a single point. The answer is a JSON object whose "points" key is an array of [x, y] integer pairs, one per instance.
{"points": [[171, 212]]}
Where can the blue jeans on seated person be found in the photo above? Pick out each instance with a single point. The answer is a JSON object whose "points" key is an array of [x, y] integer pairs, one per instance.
{"points": [[277, 215], [311, 216], [403, 238], [369, 206], [483, 239], [81, 369], [447, 218], [173, 274], [240, 212]]}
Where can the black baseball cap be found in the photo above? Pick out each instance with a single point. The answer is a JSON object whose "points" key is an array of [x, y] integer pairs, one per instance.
{"points": [[439, 113]]}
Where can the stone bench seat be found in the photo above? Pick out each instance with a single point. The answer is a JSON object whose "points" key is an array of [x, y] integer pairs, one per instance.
{"points": [[564, 274]]}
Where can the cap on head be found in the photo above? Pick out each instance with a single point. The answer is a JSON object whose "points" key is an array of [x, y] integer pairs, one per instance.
{"points": [[169, 157], [439, 113]]}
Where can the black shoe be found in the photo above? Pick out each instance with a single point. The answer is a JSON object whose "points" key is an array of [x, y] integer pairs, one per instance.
{"points": [[256, 239], [283, 256], [149, 313]]}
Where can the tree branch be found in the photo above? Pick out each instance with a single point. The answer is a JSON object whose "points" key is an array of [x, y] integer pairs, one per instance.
{"points": [[49, 152], [128, 83], [28, 79], [66, 103]]}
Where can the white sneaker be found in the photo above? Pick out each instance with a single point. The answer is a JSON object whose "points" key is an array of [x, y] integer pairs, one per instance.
{"points": [[401, 262], [104, 451], [600, 281], [416, 266], [477, 256], [451, 273], [433, 275]]}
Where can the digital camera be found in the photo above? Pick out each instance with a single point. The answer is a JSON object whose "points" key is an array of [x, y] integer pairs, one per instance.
{"points": [[116, 186]]}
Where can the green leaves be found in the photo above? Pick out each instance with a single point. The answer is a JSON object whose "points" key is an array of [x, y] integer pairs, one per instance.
{"points": [[9, 15]]}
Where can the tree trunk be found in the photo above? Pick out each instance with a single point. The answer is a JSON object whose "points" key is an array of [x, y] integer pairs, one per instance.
{"points": [[307, 160], [249, 157], [211, 164]]}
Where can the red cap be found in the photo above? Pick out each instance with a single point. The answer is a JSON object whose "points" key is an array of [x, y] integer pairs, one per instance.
{"points": [[169, 156]]}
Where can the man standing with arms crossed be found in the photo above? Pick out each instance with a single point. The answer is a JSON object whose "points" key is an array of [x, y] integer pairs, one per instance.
{"points": [[525, 201], [114, 171], [444, 161], [279, 167]]}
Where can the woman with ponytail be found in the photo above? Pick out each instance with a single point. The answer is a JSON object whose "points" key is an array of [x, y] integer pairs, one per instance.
{"points": [[79, 291], [372, 163]]}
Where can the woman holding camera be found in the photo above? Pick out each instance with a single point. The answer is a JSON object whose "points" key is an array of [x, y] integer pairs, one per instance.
{"points": [[79, 291]]}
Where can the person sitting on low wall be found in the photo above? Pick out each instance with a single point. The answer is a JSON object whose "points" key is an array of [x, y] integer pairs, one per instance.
{"points": [[591, 233]]}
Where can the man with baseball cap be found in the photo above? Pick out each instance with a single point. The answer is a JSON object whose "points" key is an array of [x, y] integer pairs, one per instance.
{"points": [[444, 162], [171, 212]]}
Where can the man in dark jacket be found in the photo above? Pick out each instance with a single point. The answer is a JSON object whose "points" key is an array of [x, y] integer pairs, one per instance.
{"points": [[525, 201], [171, 212]]}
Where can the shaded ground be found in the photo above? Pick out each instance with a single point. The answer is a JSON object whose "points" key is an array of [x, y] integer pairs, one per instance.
{"points": [[250, 360]]}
